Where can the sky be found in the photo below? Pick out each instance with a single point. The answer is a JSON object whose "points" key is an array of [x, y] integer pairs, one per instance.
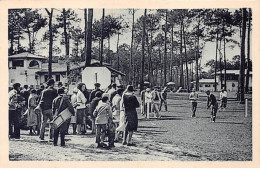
{"points": [[208, 52]]}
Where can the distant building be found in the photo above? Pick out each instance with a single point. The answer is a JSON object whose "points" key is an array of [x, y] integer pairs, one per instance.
{"points": [[32, 70], [232, 80]]}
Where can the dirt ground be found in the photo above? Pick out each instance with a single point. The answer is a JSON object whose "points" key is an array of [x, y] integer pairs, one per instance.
{"points": [[174, 137]]}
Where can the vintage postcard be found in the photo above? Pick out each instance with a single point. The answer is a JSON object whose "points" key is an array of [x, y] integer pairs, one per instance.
{"points": [[129, 83]]}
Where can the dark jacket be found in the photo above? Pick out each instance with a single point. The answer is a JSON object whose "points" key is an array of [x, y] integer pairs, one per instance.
{"points": [[47, 97], [57, 108], [93, 94], [211, 100], [93, 105]]}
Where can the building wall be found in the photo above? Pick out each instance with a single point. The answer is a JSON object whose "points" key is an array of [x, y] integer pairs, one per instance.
{"points": [[203, 87], [24, 75], [63, 78]]}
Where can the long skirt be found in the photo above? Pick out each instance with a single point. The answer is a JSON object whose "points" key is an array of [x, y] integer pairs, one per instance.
{"points": [[80, 116], [32, 119]]}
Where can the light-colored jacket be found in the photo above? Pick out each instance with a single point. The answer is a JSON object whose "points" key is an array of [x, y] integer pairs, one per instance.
{"points": [[81, 100], [102, 113], [194, 97], [148, 97]]}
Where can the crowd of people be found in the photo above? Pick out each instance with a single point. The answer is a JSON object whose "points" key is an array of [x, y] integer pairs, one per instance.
{"points": [[106, 113]]}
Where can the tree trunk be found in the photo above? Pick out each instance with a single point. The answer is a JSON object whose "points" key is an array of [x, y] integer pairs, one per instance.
{"points": [[161, 65], [50, 43], [85, 35], [197, 58], [186, 60], [149, 58], [30, 41], [181, 60], [215, 75], [143, 43], [225, 64], [165, 49], [172, 53], [131, 52], [117, 51], [102, 38], [220, 65], [66, 41], [242, 61], [89, 37], [248, 52]]}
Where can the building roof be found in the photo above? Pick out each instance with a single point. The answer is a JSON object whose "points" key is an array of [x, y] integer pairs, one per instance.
{"points": [[62, 67], [207, 80], [26, 55], [235, 72]]}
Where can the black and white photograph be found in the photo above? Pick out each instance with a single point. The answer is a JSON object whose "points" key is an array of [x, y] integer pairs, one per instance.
{"points": [[130, 84]]}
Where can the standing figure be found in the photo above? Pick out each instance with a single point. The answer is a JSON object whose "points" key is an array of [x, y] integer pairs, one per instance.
{"points": [[32, 119], [59, 104], [112, 92], [194, 98], [130, 104], [156, 101], [142, 94], [93, 93], [74, 104], [45, 105], [102, 113], [92, 108], [223, 99], [212, 102], [164, 99], [116, 109], [81, 108], [16, 101], [148, 101]]}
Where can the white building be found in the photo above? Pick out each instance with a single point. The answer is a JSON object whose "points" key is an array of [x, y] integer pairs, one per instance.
{"points": [[232, 80], [29, 69]]}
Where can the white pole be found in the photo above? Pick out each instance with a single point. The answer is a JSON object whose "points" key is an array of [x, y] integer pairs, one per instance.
{"points": [[148, 107], [246, 107]]}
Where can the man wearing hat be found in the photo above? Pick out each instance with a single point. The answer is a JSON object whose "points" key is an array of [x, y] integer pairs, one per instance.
{"points": [[15, 107], [212, 102], [93, 93], [194, 98], [48, 95]]}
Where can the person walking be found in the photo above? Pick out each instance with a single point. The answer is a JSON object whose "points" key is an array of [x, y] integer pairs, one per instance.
{"points": [[45, 105], [130, 103], [74, 104], [102, 113], [212, 102], [93, 93], [16, 102], [163, 99], [59, 104], [32, 119], [112, 92], [92, 108], [81, 108], [142, 94], [194, 98], [156, 101], [223, 99], [148, 101], [116, 109]]}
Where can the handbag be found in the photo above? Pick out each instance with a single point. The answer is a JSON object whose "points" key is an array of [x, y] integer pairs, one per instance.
{"points": [[62, 117]]}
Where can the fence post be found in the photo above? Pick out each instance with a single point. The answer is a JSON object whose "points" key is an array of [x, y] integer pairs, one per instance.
{"points": [[246, 107]]}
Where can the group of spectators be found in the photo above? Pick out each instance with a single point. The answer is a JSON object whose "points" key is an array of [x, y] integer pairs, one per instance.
{"points": [[106, 113]]}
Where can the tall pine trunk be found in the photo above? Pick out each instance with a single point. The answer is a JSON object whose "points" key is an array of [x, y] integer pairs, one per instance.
{"points": [[66, 40], [131, 52], [165, 49], [186, 60], [89, 37], [85, 35], [248, 52], [102, 38], [181, 59], [215, 75], [242, 61], [172, 53], [50, 43], [143, 43]]}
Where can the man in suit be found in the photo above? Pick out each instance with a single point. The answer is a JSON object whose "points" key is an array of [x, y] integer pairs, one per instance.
{"points": [[93, 93]]}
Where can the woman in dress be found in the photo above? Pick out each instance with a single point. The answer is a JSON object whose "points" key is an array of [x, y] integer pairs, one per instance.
{"points": [[74, 104], [130, 103], [81, 108], [32, 120]]}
